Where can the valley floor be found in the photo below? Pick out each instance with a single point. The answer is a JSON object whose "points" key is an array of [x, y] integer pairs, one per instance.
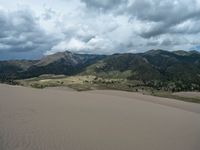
{"points": [[91, 82], [52, 119]]}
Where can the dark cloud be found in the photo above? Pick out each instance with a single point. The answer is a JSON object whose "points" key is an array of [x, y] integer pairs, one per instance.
{"points": [[165, 15], [104, 4], [20, 32], [152, 43]]}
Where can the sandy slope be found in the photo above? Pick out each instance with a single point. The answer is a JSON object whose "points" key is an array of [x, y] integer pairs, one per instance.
{"points": [[193, 107], [32, 119]]}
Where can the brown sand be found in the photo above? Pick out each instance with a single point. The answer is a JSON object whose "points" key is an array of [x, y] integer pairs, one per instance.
{"points": [[32, 119], [158, 100]]}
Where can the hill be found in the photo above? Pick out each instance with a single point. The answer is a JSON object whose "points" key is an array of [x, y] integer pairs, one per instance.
{"points": [[155, 68], [159, 69], [66, 63], [10, 69]]}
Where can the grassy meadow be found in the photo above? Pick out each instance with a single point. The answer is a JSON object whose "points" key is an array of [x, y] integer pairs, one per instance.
{"points": [[92, 82]]}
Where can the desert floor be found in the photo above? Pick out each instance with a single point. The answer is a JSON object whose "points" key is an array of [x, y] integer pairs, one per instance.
{"points": [[51, 119]]}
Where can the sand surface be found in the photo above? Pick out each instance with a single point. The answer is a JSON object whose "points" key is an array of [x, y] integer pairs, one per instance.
{"points": [[32, 119], [192, 107]]}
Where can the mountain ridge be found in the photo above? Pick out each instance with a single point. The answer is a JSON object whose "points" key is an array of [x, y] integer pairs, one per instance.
{"points": [[154, 68]]}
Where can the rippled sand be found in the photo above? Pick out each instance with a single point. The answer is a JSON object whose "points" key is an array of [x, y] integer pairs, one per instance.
{"points": [[32, 119]]}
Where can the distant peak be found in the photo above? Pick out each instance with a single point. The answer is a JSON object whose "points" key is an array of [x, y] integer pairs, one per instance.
{"points": [[181, 53], [156, 51], [68, 52], [194, 52]]}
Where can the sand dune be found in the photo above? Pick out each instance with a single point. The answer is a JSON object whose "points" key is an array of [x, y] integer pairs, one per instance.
{"points": [[192, 107], [32, 119]]}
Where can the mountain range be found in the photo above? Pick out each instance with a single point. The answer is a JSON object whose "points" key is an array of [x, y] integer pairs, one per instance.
{"points": [[155, 68]]}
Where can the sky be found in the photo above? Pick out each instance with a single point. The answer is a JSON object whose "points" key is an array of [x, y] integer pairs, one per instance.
{"points": [[30, 29]]}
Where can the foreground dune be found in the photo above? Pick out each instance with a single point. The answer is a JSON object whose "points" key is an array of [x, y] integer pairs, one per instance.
{"points": [[32, 119]]}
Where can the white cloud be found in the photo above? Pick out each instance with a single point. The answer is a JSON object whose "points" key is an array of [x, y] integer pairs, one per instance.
{"points": [[74, 44], [88, 26]]}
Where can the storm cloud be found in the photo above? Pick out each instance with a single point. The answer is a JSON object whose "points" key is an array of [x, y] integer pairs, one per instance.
{"points": [[37, 28], [21, 34], [105, 4]]}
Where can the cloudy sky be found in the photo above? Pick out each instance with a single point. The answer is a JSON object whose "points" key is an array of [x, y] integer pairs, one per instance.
{"points": [[32, 28]]}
